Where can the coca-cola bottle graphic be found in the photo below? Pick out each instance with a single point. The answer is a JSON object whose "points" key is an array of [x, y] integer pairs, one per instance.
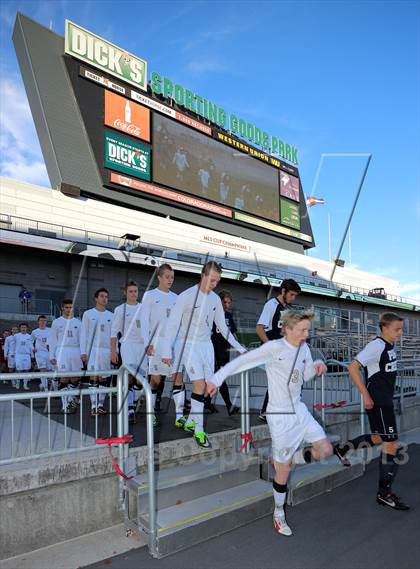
{"points": [[128, 112]]}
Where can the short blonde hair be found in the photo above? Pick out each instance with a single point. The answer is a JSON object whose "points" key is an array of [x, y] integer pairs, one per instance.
{"points": [[290, 318]]}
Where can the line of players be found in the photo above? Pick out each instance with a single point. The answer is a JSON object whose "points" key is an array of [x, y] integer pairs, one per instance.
{"points": [[179, 334], [137, 335]]}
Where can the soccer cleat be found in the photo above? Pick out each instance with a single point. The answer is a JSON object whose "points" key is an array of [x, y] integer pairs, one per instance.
{"points": [[392, 501], [26, 388], [202, 439], [94, 412], [102, 410], [341, 455], [17, 386], [154, 421], [233, 410], [262, 417], [190, 427], [180, 423], [280, 526]]}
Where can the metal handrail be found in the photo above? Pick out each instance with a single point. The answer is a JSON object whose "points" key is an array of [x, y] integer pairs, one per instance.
{"points": [[122, 426]]}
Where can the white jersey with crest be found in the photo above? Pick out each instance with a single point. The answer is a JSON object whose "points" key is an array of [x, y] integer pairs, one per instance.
{"points": [[126, 321], [24, 345], [157, 306], [65, 333], [96, 331], [40, 339], [284, 384], [9, 346], [192, 319]]}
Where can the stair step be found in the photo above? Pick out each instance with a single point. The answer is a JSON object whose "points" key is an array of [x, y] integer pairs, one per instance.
{"points": [[186, 482], [198, 520]]}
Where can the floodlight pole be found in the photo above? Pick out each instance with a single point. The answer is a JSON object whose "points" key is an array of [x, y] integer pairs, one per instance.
{"points": [[351, 215]]}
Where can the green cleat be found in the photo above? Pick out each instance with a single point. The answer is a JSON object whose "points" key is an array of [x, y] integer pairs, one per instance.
{"points": [[190, 427], [202, 439], [179, 423], [154, 421]]}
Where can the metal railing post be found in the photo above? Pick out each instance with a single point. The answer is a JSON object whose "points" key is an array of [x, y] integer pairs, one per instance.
{"points": [[120, 432], [247, 415], [243, 412], [323, 398]]}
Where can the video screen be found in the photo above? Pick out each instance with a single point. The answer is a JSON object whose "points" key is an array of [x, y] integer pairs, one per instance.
{"points": [[289, 186], [194, 163]]}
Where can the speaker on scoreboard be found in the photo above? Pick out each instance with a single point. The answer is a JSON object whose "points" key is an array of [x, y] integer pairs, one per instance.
{"points": [[69, 190]]}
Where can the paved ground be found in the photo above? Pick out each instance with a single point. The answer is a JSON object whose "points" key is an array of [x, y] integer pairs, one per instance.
{"points": [[344, 529]]}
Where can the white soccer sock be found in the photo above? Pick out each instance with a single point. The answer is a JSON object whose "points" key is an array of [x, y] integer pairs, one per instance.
{"points": [[279, 499], [130, 398], [25, 382], [44, 383], [154, 395], [93, 400], [197, 414], [179, 400]]}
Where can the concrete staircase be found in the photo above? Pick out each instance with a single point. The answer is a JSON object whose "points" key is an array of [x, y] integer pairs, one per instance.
{"points": [[199, 501]]}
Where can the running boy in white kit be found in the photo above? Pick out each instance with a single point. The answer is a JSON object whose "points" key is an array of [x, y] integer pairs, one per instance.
{"points": [[95, 346], [23, 351], [9, 354], [64, 346], [126, 323], [288, 363], [157, 305], [191, 319], [42, 356]]}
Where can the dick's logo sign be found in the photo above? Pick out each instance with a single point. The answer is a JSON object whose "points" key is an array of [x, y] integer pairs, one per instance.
{"points": [[127, 156]]}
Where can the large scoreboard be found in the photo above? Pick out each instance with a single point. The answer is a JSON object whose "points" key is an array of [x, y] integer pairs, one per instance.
{"points": [[148, 146]]}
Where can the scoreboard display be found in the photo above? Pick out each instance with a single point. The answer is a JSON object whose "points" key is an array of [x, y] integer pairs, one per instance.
{"points": [[154, 152]]}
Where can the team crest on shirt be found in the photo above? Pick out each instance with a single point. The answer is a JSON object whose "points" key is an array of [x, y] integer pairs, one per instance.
{"points": [[295, 376], [168, 312]]}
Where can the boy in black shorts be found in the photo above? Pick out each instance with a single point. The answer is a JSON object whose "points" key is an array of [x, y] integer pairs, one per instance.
{"points": [[379, 360]]}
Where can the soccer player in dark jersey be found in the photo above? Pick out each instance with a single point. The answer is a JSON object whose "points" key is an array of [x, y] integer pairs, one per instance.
{"points": [[269, 323], [221, 353], [379, 361]]}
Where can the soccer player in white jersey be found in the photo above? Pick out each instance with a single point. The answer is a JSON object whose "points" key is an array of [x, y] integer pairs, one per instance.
{"points": [[64, 346], [288, 363], [42, 356], [191, 319], [95, 346], [156, 309], [9, 354], [23, 351], [126, 323]]}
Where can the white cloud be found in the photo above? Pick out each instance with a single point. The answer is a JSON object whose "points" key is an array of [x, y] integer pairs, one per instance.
{"points": [[21, 156]]}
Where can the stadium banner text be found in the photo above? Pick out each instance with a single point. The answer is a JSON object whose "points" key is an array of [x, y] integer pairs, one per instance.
{"points": [[100, 53], [92, 49], [126, 156]]}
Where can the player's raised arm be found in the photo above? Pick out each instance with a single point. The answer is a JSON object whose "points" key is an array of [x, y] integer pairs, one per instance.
{"points": [[246, 361]]}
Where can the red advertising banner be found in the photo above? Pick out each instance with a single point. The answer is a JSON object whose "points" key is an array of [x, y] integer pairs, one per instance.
{"points": [[169, 194]]}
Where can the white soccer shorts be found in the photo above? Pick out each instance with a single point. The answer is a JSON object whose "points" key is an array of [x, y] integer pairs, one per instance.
{"points": [[11, 361], [289, 431], [68, 359], [133, 357], [23, 362], [198, 360], [157, 367], [43, 360], [99, 359]]}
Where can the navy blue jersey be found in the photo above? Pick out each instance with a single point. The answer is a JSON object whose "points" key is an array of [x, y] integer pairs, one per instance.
{"points": [[380, 362], [271, 318], [220, 344]]}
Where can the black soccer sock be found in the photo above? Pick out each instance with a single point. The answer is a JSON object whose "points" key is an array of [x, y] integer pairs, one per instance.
{"points": [[161, 387], [363, 441], [264, 407], [224, 392], [387, 472]]}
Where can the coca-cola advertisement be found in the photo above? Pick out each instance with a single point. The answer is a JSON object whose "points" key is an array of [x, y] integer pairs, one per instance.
{"points": [[127, 116]]}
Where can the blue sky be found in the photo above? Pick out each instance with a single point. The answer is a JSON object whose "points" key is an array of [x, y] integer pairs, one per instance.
{"points": [[332, 78]]}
